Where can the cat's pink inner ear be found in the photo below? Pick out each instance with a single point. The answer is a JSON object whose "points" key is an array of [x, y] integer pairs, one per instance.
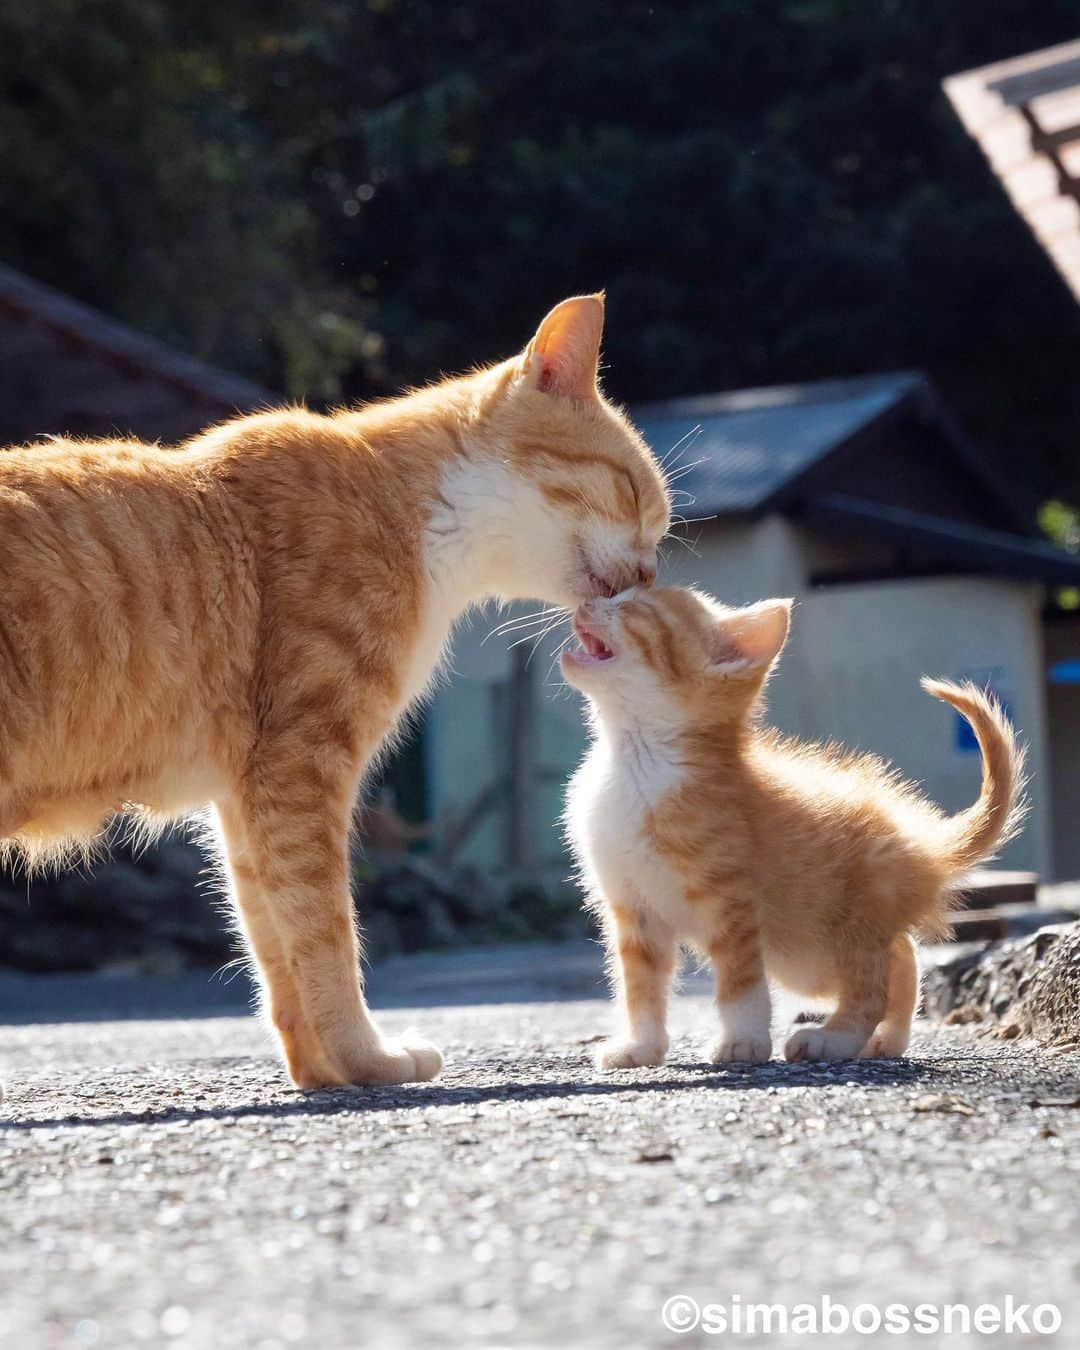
{"points": [[752, 637], [564, 355]]}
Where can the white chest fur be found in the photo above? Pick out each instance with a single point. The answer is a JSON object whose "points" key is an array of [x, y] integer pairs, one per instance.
{"points": [[621, 781]]}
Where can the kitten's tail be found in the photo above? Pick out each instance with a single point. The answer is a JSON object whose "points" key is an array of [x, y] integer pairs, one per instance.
{"points": [[974, 835]]}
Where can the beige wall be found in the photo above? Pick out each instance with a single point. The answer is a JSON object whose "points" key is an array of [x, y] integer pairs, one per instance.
{"points": [[867, 647], [851, 671]]}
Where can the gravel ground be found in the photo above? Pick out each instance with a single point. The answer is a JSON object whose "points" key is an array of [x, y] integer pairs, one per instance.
{"points": [[161, 1186]]}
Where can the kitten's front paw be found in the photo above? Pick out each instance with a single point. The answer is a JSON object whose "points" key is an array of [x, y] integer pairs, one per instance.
{"points": [[630, 1054], [741, 1050], [817, 1043]]}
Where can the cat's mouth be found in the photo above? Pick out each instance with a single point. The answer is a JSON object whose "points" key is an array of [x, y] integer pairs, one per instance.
{"points": [[592, 649]]}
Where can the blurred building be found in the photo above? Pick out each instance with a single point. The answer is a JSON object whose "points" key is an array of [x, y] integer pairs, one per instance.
{"points": [[908, 557], [66, 368]]}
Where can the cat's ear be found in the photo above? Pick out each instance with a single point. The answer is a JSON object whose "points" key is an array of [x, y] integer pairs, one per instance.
{"points": [[564, 355], [750, 639]]}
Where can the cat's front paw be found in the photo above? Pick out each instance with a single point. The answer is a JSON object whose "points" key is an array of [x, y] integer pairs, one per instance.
{"points": [[409, 1058], [630, 1054], [427, 1059], [741, 1049], [818, 1043]]}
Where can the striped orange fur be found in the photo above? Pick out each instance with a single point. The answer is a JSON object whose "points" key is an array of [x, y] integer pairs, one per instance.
{"points": [[779, 860], [241, 620]]}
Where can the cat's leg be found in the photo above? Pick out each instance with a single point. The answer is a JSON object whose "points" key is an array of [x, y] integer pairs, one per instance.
{"points": [[298, 834], [743, 1002], [893, 1032], [642, 953], [308, 1067], [860, 1007]]}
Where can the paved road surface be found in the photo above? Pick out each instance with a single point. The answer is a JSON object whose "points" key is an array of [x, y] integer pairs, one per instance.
{"points": [[161, 1186]]}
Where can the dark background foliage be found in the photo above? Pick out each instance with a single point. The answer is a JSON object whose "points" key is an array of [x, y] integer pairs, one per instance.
{"points": [[339, 198]]}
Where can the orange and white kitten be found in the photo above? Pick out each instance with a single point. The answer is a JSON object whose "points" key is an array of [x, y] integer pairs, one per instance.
{"points": [[243, 619], [780, 860]]}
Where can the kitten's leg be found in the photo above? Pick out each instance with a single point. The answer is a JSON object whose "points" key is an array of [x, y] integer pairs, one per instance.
{"points": [[642, 954], [893, 1032], [743, 1002], [859, 1008], [299, 837], [307, 1065]]}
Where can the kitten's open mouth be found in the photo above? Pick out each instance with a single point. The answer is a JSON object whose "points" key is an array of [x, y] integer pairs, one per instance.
{"points": [[592, 650]]}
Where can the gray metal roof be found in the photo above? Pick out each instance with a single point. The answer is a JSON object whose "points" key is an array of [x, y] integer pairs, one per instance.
{"points": [[947, 541], [754, 442]]}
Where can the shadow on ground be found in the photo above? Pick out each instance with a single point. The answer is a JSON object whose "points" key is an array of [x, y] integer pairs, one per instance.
{"points": [[364, 1101]]}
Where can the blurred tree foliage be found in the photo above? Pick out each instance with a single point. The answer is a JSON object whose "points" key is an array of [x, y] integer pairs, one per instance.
{"points": [[338, 198]]}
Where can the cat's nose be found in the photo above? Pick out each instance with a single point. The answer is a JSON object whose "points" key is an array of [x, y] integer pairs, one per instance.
{"points": [[646, 574]]}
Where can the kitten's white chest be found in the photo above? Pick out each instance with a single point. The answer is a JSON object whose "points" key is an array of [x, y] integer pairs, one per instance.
{"points": [[611, 798]]}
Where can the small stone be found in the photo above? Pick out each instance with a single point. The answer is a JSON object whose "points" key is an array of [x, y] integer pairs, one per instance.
{"points": [[943, 1101]]}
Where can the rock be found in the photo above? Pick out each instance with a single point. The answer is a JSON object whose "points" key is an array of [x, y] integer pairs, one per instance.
{"points": [[1029, 987]]}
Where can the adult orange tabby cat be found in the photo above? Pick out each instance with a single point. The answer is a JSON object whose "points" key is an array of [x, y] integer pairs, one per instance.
{"points": [[241, 620], [777, 859]]}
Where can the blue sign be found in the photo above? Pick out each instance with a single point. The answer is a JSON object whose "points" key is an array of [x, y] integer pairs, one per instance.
{"points": [[995, 681], [1065, 672]]}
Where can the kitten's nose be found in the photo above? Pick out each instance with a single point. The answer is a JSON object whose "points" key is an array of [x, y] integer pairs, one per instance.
{"points": [[646, 575]]}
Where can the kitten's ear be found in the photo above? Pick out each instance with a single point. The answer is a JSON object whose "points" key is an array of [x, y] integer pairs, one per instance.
{"points": [[564, 355], [751, 638]]}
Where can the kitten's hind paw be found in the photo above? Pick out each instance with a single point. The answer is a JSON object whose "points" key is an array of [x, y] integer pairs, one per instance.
{"points": [[630, 1054], [743, 1050], [888, 1042], [816, 1043]]}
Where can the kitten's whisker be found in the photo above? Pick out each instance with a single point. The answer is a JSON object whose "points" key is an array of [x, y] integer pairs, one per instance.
{"points": [[525, 620], [538, 637], [554, 660]]}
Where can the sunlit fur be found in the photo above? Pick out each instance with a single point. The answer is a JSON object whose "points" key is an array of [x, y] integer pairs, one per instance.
{"points": [[781, 861], [242, 620]]}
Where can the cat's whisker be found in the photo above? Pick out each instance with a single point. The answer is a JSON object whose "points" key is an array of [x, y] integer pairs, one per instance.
{"points": [[692, 520], [684, 469], [678, 539], [681, 445]]}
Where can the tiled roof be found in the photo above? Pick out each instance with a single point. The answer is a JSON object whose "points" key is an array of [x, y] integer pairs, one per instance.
{"points": [[1025, 114]]}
